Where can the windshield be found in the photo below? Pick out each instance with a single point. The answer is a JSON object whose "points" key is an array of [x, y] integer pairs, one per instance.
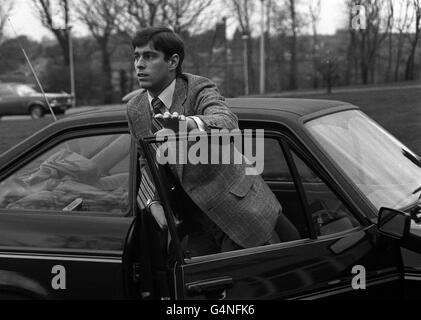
{"points": [[23, 90], [386, 171]]}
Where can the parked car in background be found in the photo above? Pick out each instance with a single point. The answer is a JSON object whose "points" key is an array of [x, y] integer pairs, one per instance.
{"points": [[68, 202], [22, 99]]}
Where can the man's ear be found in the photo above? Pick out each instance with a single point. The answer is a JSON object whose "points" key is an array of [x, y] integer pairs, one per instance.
{"points": [[173, 61]]}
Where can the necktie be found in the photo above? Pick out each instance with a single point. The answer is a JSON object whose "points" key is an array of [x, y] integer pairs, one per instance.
{"points": [[157, 105], [147, 187]]}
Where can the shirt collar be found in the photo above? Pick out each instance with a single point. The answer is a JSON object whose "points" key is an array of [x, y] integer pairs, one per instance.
{"points": [[165, 96]]}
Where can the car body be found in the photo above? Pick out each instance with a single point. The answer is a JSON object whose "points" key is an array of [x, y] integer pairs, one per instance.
{"points": [[68, 212], [130, 95], [22, 99]]}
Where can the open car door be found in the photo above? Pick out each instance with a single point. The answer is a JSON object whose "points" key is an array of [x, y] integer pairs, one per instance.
{"points": [[315, 267]]}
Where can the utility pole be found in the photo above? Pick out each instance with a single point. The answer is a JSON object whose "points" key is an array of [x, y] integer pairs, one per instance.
{"points": [[71, 65], [246, 72], [262, 49]]}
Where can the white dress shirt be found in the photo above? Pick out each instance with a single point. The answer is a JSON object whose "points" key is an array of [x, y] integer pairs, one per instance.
{"points": [[166, 97]]}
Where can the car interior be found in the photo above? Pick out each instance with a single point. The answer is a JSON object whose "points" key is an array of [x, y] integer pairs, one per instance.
{"points": [[89, 174]]}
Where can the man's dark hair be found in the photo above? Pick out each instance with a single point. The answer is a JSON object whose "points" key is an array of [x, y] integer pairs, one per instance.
{"points": [[162, 39]]}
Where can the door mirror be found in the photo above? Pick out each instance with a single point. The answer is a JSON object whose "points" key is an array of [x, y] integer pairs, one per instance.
{"points": [[393, 223]]}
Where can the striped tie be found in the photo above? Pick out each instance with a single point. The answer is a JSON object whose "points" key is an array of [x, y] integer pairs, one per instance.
{"points": [[157, 105], [147, 187]]}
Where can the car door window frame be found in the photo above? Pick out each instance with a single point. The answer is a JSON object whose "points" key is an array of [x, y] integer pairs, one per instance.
{"points": [[54, 140]]}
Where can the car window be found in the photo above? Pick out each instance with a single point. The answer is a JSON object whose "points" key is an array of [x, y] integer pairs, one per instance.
{"points": [[88, 174], [6, 91], [329, 214], [276, 167], [24, 90]]}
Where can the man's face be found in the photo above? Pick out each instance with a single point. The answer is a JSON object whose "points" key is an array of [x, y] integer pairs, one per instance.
{"points": [[153, 72]]}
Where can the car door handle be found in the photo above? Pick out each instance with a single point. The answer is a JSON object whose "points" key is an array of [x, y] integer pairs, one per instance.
{"points": [[209, 285]]}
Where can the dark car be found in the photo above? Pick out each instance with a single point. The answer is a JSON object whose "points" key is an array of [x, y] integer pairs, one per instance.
{"points": [[22, 99], [130, 95], [70, 225]]}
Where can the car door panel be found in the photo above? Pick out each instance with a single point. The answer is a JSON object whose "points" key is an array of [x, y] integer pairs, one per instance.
{"points": [[46, 240], [306, 270]]}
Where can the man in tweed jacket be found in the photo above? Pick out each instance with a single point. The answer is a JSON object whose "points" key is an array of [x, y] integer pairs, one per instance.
{"points": [[234, 210]]}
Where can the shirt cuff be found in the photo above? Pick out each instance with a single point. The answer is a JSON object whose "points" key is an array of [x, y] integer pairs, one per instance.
{"points": [[199, 123]]}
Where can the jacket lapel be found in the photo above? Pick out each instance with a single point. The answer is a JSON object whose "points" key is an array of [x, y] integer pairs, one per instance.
{"points": [[145, 116], [180, 96]]}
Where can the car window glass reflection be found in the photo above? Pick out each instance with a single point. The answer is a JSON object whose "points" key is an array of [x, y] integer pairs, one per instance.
{"points": [[84, 174]]}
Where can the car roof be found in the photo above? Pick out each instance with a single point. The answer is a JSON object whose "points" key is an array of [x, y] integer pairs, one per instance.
{"points": [[14, 84], [297, 107]]}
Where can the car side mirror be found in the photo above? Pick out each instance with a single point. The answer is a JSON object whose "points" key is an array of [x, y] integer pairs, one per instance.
{"points": [[393, 223]]}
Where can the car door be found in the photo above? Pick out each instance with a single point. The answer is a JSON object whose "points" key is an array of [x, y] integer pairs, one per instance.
{"points": [[66, 209], [337, 243]]}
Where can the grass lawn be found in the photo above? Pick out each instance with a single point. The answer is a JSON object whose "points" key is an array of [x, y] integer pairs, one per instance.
{"points": [[14, 131], [399, 111]]}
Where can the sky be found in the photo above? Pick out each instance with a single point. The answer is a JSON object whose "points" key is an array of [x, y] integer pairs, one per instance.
{"points": [[24, 20]]}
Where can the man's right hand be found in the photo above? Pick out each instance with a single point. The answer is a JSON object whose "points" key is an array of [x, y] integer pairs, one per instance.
{"points": [[157, 212]]}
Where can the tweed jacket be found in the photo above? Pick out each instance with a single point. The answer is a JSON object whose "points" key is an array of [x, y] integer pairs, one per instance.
{"points": [[243, 206]]}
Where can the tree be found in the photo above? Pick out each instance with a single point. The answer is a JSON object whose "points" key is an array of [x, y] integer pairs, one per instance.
{"points": [[328, 68], [314, 10], [180, 15], [184, 14], [402, 25], [370, 38], [291, 4], [102, 18], [352, 55], [5, 10], [58, 10], [391, 8], [243, 10], [413, 40]]}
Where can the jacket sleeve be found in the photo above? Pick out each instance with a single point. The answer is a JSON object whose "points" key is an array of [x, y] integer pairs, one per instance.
{"points": [[211, 107]]}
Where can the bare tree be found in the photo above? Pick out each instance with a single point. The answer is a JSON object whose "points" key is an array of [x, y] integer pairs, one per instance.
{"points": [[243, 10], [5, 10], [370, 39], [49, 12], [328, 67], [314, 10], [391, 12], [403, 22], [144, 12], [413, 40], [279, 49], [352, 55], [102, 18], [181, 15], [291, 4]]}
